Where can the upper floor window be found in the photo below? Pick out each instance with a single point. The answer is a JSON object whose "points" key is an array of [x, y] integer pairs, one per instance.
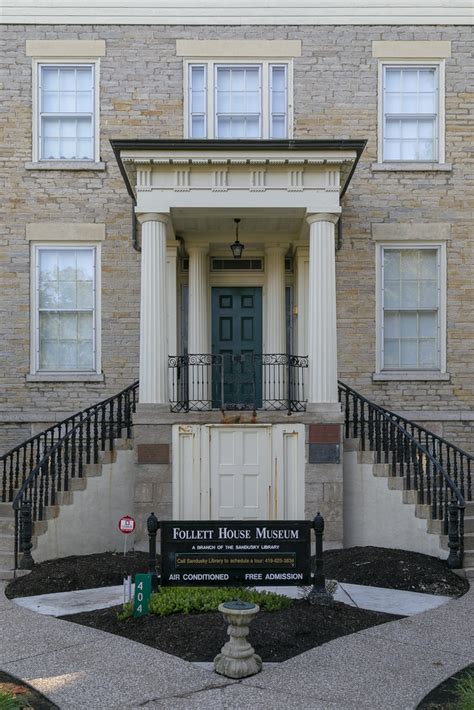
{"points": [[234, 100], [67, 112], [411, 113]]}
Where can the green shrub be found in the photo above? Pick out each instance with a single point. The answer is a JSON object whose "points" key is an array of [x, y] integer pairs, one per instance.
{"points": [[188, 600], [8, 701], [195, 600], [465, 693], [127, 611]]}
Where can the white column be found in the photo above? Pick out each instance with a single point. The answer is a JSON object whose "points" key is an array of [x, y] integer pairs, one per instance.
{"points": [[198, 317], [322, 335], [172, 249], [153, 311], [301, 260], [274, 375], [275, 326], [198, 325]]}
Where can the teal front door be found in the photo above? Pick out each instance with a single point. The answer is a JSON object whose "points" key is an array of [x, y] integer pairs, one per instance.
{"points": [[236, 340]]}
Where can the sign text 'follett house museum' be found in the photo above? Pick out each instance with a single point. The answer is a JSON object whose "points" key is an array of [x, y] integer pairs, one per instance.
{"points": [[263, 213]]}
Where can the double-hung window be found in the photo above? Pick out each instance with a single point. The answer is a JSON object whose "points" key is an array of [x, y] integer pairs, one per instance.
{"points": [[67, 112], [234, 100], [66, 309], [411, 302], [410, 113]]}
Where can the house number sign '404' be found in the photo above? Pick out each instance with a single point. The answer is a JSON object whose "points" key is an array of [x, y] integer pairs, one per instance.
{"points": [[141, 599]]}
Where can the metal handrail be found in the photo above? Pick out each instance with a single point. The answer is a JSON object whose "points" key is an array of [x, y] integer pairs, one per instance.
{"points": [[91, 431], [403, 451]]}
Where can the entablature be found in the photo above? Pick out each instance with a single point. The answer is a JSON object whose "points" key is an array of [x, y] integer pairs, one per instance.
{"points": [[229, 172]]}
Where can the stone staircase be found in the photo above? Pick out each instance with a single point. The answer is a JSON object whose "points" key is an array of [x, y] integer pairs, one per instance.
{"points": [[38, 470], [427, 525], [71, 497]]}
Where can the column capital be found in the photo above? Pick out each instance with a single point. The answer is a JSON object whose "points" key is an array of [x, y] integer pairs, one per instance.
{"points": [[277, 248], [196, 247], [313, 217], [143, 217]]}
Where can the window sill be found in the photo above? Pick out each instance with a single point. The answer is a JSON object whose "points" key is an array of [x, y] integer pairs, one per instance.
{"points": [[410, 376], [65, 377], [411, 167], [65, 165]]}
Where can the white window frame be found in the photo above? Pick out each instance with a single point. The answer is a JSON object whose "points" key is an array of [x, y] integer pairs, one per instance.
{"points": [[210, 73], [439, 66], [34, 306], [36, 113], [412, 374]]}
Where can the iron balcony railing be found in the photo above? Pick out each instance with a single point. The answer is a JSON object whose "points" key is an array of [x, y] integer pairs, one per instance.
{"points": [[437, 470], [247, 381], [40, 468]]}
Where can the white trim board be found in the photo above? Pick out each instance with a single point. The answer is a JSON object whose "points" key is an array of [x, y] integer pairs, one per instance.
{"points": [[245, 12]]}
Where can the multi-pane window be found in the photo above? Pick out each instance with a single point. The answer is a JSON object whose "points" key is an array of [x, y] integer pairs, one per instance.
{"points": [[238, 100], [411, 308], [66, 309], [66, 112], [410, 113]]}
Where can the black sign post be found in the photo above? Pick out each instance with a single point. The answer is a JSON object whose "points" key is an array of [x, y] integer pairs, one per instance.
{"points": [[228, 553]]}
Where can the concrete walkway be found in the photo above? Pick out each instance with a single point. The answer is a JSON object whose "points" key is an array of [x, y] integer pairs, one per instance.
{"points": [[391, 601], [389, 666]]}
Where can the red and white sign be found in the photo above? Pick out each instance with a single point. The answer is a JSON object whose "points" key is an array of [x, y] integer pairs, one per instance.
{"points": [[126, 524]]}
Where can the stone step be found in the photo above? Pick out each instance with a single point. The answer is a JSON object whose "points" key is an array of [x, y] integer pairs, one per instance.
{"points": [[469, 558], [92, 469], [6, 573], [396, 483], [351, 444], [6, 510], [7, 526], [468, 572], [6, 543], [422, 510], [469, 524], [468, 542], [7, 559], [39, 527], [381, 470]]}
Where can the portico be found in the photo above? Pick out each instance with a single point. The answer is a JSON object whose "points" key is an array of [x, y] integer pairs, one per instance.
{"points": [[287, 196], [219, 336]]}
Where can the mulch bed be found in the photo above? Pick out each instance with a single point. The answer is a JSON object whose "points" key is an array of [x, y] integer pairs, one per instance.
{"points": [[276, 636], [70, 573], [393, 569], [373, 566], [27, 696]]}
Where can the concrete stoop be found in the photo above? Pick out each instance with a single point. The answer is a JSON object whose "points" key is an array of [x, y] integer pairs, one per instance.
{"points": [[63, 498], [427, 526]]}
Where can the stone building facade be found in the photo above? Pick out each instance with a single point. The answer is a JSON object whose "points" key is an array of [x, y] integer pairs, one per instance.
{"points": [[336, 94]]}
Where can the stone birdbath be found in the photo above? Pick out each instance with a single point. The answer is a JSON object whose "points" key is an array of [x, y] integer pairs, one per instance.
{"points": [[237, 658]]}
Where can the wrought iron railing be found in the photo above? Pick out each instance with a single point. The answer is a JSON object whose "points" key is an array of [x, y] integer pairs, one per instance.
{"points": [[237, 382], [40, 468], [421, 462]]}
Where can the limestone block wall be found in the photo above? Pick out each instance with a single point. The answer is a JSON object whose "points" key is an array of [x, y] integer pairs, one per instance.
{"points": [[141, 96]]}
